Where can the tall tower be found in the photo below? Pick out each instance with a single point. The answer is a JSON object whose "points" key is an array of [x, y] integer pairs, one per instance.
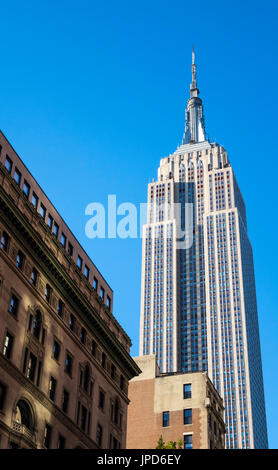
{"points": [[198, 298]]}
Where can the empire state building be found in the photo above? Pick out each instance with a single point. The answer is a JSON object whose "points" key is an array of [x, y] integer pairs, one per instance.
{"points": [[198, 299]]}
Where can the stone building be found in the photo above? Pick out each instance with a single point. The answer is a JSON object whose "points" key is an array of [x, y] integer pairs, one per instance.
{"points": [[179, 406], [64, 358]]}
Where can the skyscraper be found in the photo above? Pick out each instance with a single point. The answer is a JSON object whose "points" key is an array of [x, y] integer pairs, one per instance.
{"points": [[198, 299]]}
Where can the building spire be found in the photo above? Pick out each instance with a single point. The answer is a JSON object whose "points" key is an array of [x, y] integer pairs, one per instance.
{"points": [[194, 119]]}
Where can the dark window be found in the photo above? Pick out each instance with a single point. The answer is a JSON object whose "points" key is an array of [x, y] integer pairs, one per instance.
{"points": [[103, 360], [50, 221], [31, 369], [95, 283], [72, 322], [70, 249], [20, 259], [99, 435], [25, 360], [93, 348], [56, 229], [101, 400], [79, 262], [63, 240], [60, 308], [43, 211], [52, 388], [35, 200], [68, 365], [39, 373], [37, 324], [8, 164], [83, 335], [5, 239], [101, 293], [113, 371], [187, 416], [188, 441], [34, 277], [56, 350], [3, 392], [47, 293], [87, 377], [65, 402], [86, 272], [17, 176], [14, 303], [8, 345], [165, 419], [83, 417], [61, 442], [187, 391], [108, 302], [47, 436], [122, 382], [26, 188]]}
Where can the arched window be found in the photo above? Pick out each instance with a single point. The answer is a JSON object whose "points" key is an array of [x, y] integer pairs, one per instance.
{"points": [[23, 415], [37, 323]]}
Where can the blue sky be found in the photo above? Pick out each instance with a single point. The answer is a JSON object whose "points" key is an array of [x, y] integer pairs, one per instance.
{"points": [[92, 95]]}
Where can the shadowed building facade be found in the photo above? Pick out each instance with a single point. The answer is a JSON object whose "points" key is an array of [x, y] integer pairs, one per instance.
{"points": [[198, 304], [64, 358]]}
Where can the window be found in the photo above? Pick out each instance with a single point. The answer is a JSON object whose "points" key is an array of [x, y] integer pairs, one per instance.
{"points": [[17, 176], [79, 262], [61, 442], [71, 322], [68, 365], [35, 200], [5, 239], [50, 221], [83, 335], [188, 441], [26, 188], [14, 305], [56, 229], [65, 401], [101, 400], [34, 277], [99, 435], [60, 308], [70, 249], [113, 371], [8, 164], [83, 417], [52, 388], [63, 240], [31, 368], [187, 416], [37, 324], [47, 293], [43, 211], [3, 392], [56, 350], [165, 419], [95, 283], [87, 377], [101, 293], [108, 303], [103, 360], [8, 345], [122, 382], [187, 391], [47, 436], [93, 348], [86, 272], [19, 260]]}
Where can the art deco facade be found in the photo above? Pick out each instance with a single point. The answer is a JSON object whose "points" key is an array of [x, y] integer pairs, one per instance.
{"points": [[179, 407], [64, 359], [198, 304]]}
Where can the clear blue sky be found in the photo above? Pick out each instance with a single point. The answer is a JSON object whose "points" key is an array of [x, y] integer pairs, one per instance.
{"points": [[92, 95]]}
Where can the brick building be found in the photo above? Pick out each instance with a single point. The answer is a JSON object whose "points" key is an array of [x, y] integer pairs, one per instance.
{"points": [[178, 406], [64, 358]]}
